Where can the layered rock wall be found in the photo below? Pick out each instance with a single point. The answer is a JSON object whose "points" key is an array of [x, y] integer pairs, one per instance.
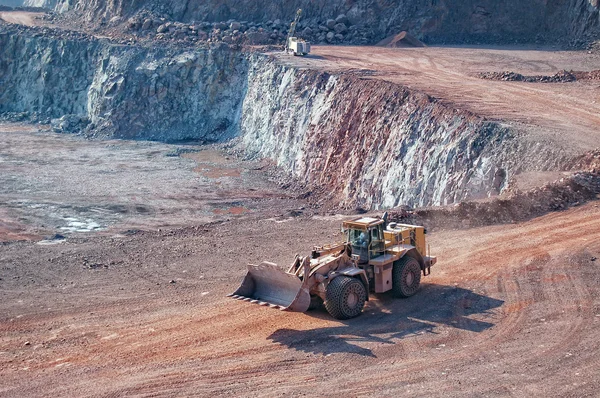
{"points": [[45, 75], [125, 91], [167, 96], [48, 4], [371, 143], [365, 142]]}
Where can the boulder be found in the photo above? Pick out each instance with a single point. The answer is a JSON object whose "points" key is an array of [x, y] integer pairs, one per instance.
{"points": [[133, 24], [340, 28], [115, 21], [147, 25], [342, 19], [235, 26], [69, 123], [330, 24], [330, 36]]}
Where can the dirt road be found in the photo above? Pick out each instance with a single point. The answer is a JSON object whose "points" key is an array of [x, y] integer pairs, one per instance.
{"points": [[21, 17], [566, 113], [509, 310]]}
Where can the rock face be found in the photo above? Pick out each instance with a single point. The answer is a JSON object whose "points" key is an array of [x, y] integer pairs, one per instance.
{"points": [[375, 144], [435, 21], [45, 75], [368, 143], [158, 95], [11, 3], [127, 92], [49, 4]]}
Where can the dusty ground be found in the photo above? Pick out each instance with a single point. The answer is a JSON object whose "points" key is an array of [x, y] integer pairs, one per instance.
{"points": [[566, 113], [508, 311], [21, 17], [62, 184], [113, 311]]}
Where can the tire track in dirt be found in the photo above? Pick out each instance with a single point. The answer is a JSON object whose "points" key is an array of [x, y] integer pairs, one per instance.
{"points": [[476, 322], [507, 330]]}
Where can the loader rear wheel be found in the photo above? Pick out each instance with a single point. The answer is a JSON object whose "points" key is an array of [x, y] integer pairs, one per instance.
{"points": [[406, 277], [345, 297]]}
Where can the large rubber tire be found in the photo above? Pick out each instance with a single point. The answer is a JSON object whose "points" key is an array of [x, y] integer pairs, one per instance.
{"points": [[345, 297], [406, 277]]}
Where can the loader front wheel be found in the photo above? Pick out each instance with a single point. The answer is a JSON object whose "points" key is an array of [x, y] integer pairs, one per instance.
{"points": [[345, 297], [406, 277]]}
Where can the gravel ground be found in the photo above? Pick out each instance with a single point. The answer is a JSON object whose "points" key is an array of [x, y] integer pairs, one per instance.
{"points": [[64, 184], [508, 311]]}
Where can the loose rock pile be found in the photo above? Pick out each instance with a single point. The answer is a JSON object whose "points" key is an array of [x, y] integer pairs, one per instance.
{"points": [[70, 123], [592, 75], [562, 76], [338, 30], [517, 207]]}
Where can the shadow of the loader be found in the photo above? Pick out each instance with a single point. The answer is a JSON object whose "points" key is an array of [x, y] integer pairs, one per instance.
{"points": [[386, 319]]}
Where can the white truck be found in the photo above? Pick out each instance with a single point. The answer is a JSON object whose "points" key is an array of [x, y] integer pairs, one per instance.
{"points": [[293, 44], [297, 46]]}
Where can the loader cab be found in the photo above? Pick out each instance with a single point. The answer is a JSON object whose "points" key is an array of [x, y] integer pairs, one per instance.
{"points": [[365, 236]]}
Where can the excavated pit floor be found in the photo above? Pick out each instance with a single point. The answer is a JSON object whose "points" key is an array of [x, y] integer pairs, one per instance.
{"points": [[64, 184], [510, 310]]}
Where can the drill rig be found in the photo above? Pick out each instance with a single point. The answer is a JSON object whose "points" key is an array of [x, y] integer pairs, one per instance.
{"points": [[294, 45]]}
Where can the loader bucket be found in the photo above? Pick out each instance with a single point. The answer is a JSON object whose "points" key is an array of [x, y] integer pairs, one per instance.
{"points": [[268, 285]]}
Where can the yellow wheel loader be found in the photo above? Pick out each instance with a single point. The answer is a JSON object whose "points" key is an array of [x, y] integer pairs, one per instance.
{"points": [[375, 257]]}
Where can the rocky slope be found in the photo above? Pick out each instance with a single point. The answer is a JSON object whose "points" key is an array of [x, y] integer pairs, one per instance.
{"points": [[364, 142], [48, 4], [123, 91], [435, 21], [11, 3], [375, 144]]}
